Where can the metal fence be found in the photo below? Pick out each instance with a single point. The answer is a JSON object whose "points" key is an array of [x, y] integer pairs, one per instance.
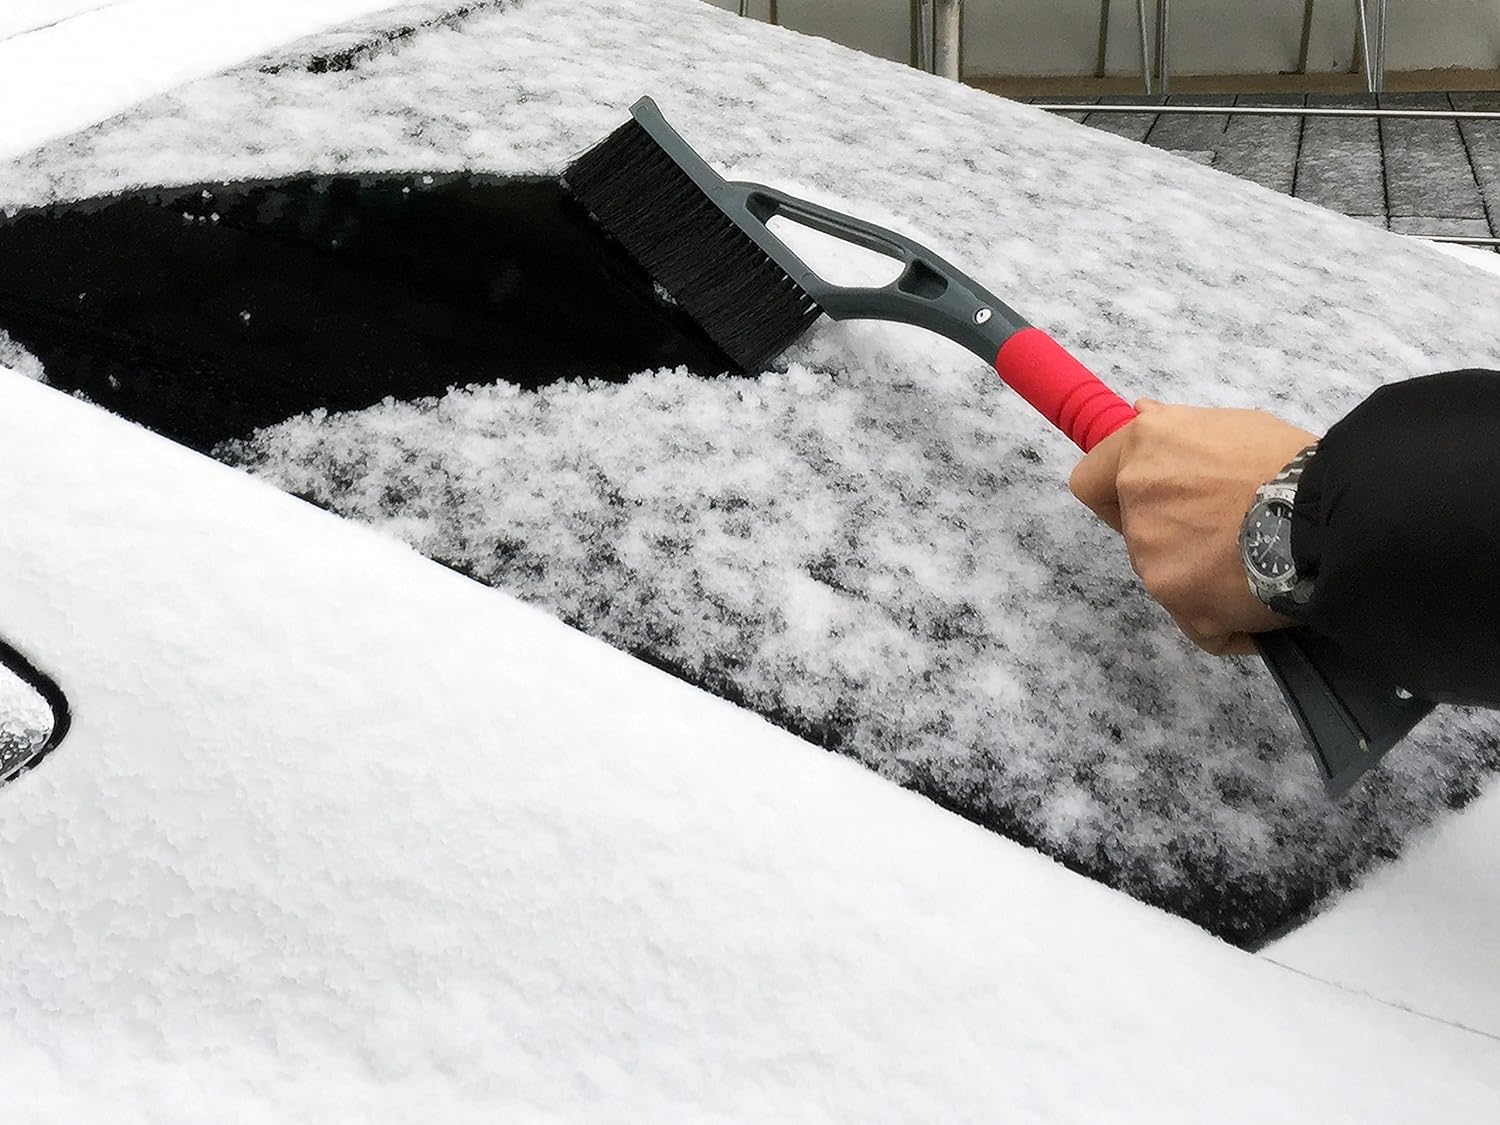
{"points": [[937, 39], [1274, 111], [937, 29], [937, 47]]}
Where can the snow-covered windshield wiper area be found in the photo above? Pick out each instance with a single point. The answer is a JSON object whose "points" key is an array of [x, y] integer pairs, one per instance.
{"points": [[208, 310], [33, 715]]}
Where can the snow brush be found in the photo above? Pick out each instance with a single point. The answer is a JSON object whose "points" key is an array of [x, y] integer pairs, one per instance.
{"points": [[706, 242]]}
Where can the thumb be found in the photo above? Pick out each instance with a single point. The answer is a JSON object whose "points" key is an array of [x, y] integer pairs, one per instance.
{"points": [[1093, 479]]}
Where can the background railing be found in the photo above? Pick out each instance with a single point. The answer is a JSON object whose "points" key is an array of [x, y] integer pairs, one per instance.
{"points": [[1301, 112], [937, 37], [936, 33]]}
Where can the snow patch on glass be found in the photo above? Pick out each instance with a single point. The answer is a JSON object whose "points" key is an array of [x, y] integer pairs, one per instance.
{"points": [[19, 360], [841, 549]]}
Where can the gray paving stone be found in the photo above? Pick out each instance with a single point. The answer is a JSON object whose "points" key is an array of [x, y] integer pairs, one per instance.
{"points": [[1340, 166], [1190, 132], [1131, 126], [1488, 100], [1064, 100], [1415, 177], [1262, 149], [1437, 225], [1483, 141], [1426, 166]]}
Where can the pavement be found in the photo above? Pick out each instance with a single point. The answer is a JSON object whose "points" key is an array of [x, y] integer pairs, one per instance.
{"points": [[1423, 177]]}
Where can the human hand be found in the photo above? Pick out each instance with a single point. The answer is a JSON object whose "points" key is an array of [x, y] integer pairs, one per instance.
{"points": [[1177, 482]]}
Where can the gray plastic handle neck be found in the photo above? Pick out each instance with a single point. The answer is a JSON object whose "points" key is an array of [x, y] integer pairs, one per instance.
{"points": [[930, 293]]}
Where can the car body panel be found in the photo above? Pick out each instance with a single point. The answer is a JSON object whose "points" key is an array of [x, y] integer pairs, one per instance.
{"points": [[267, 862], [332, 819]]}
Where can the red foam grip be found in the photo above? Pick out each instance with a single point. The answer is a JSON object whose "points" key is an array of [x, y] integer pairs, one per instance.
{"points": [[1068, 394]]}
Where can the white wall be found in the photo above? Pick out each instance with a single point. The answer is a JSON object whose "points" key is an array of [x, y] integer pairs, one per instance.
{"points": [[1208, 36]]}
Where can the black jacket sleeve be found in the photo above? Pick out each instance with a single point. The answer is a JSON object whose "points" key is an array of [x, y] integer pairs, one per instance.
{"points": [[1398, 520]]}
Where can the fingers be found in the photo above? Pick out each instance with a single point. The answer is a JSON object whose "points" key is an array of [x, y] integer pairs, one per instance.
{"points": [[1093, 478]]}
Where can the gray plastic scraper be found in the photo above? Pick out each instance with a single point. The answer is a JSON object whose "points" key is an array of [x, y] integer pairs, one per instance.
{"points": [[1350, 718]]}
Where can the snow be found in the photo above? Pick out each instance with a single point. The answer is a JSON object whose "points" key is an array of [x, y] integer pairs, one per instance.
{"points": [[1421, 933], [21, 17], [1486, 260], [46, 46], [339, 834], [871, 545]]}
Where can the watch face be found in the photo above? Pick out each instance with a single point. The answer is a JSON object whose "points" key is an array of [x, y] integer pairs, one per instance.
{"points": [[1268, 540]]}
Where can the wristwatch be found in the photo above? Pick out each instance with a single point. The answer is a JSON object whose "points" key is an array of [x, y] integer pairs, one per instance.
{"points": [[1266, 541]]}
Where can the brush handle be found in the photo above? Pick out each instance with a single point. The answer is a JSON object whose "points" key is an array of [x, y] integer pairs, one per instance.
{"points": [[1067, 393]]}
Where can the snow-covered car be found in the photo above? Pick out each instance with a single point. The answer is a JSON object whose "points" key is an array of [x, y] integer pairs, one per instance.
{"points": [[327, 829]]}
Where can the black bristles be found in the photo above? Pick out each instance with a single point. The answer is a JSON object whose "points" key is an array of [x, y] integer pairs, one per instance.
{"points": [[746, 303]]}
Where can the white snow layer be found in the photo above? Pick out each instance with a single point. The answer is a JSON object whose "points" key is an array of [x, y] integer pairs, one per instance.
{"points": [[65, 65], [341, 835], [873, 544], [1423, 933], [21, 17], [1486, 260]]}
